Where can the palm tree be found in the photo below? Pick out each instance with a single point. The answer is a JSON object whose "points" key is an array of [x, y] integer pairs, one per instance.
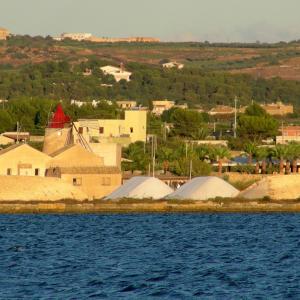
{"points": [[261, 154], [280, 152], [293, 155], [218, 154], [250, 148]]}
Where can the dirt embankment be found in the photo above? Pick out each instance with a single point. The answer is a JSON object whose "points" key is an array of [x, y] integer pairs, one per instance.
{"points": [[150, 206]]}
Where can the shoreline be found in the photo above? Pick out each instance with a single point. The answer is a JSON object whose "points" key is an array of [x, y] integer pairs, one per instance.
{"points": [[128, 206]]}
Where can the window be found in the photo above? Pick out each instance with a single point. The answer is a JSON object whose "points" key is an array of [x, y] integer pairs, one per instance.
{"points": [[8, 172], [80, 130], [77, 181], [106, 181], [36, 172], [131, 129], [101, 130]]}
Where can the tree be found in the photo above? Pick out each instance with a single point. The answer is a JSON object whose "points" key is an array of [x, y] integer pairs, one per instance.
{"points": [[280, 152], [250, 149], [218, 154], [188, 124], [256, 124]]}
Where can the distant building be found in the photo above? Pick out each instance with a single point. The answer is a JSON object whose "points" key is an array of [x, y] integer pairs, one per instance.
{"points": [[124, 40], [278, 108], [221, 110], [17, 136], [117, 73], [4, 33], [126, 104], [123, 131], [23, 160], [87, 72], [94, 103], [159, 106], [288, 134], [173, 64], [76, 36]]}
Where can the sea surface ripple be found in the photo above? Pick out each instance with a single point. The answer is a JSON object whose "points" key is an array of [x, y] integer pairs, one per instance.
{"points": [[149, 256]]}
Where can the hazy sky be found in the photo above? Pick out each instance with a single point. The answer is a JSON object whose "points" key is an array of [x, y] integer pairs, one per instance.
{"points": [[177, 20]]}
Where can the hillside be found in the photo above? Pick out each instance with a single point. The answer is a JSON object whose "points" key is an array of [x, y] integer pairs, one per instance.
{"points": [[213, 73], [265, 60]]}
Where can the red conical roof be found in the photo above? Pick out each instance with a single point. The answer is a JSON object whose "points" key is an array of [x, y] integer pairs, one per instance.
{"points": [[59, 118]]}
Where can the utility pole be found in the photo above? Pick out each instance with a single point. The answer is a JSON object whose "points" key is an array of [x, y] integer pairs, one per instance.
{"points": [[165, 132], [17, 132], [191, 168], [235, 117], [154, 145]]}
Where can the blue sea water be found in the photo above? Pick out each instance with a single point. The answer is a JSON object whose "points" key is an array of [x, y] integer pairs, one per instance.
{"points": [[150, 256]]}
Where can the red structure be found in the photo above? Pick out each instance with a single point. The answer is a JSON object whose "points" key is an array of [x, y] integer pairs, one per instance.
{"points": [[59, 119]]}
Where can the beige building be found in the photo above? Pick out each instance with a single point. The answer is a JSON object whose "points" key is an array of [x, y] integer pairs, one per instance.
{"points": [[123, 131], [76, 36], [23, 160], [126, 104], [76, 165], [221, 110], [4, 33], [159, 106], [278, 108], [117, 73]]}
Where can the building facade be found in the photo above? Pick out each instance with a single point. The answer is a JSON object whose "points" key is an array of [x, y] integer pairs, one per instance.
{"points": [[288, 134], [23, 160], [76, 165], [76, 36], [4, 33], [124, 131]]}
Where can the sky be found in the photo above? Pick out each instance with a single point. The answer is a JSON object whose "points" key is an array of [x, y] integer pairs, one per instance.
{"points": [[169, 20]]}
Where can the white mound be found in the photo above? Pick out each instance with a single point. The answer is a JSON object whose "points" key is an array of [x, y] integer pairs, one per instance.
{"points": [[141, 187], [27, 188], [277, 187], [204, 188]]}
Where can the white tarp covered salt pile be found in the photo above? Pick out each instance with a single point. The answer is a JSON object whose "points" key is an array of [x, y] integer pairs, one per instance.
{"points": [[204, 188], [277, 187], [141, 187]]}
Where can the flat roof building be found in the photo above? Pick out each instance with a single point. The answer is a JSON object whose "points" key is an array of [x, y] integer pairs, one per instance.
{"points": [[117, 73], [124, 131]]}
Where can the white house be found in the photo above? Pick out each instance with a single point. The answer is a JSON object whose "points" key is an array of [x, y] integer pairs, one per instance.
{"points": [[117, 73]]}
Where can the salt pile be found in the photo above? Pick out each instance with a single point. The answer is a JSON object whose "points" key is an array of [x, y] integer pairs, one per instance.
{"points": [[204, 188], [276, 187], [141, 187]]}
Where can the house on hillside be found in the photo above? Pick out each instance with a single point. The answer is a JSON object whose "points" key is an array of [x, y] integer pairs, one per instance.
{"points": [[159, 106], [118, 73], [173, 64], [80, 167], [126, 104], [23, 160]]}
